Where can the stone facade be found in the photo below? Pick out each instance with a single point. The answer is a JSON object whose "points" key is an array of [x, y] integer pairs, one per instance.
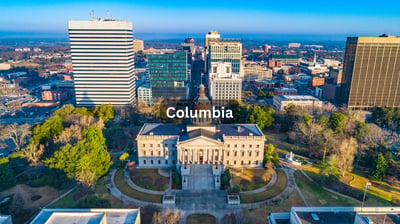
{"points": [[173, 145]]}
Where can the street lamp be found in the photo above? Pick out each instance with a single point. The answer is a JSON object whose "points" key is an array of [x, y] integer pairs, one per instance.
{"points": [[365, 192]]}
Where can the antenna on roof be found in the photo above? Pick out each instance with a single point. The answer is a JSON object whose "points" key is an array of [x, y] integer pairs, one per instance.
{"points": [[92, 15]]}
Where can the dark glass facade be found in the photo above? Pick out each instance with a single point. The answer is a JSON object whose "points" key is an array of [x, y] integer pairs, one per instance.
{"points": [[371, 73], [168, 74]]}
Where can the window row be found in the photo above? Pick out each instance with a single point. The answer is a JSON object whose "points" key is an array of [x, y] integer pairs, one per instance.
{"points": [[158, 162], [242, 162], [158, 145], [158, 153], [243, 153], [244, 146]]}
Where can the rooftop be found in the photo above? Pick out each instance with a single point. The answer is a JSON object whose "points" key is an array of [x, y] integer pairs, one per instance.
{"points": [[285, 56], [86, 216], [298, 97], [180, 130]]}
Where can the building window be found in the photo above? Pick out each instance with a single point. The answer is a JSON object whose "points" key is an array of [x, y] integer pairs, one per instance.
{"points": [[144, 145], [173, 161], [227, 154], [158, 145], [151, 161], [144, 153], [229, 145], [258, 153], [144, 162], [256, 162], [249, 162], [159, 153], [151, 153], [173, 145], [258, 146], [166, 162], [151, 145], [227, 162], [173, 153], [159, 161], [250, 145], [243, 146], [235, 146], [235, 153], [234, 162], [249, 153], [243, 153], [242, 162]]}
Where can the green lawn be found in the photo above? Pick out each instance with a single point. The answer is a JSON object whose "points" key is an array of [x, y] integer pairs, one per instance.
{"points": [[275, 189], [200, 219], [317, 196], [149, 179], [377, 195], [250, 179], [121, 184]]}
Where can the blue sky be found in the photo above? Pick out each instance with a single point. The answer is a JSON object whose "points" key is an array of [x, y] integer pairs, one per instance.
{"points": [[349, 17]]}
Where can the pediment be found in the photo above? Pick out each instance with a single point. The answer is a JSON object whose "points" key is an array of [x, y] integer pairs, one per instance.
{"points": [[201, 141]]}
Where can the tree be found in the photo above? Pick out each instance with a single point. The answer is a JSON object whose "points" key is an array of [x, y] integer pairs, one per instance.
{"points": [[17, 133], [86, 161], [262, 116], [71, 135], [326, 141], [345, 154], [105, 111], [157, 218], [337, 122], [124, 156], [308, 128], [329, 168], [172, 217], [7, 178], [270, 155], [33, 152], [46, 131], [378, 173]]}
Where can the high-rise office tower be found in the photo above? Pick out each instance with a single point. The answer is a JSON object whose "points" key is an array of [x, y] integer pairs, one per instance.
{"points": [[103, 62], [138, 45], [371, 72], [169, 72], [226, 50], [210, 37], [224, 84]]}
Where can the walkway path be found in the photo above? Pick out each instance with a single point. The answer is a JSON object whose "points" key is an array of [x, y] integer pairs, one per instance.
{"points": [[202, 201]]}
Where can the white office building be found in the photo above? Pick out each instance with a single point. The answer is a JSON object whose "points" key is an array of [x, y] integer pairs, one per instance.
{"points": [[103, 62], [224, 84]]}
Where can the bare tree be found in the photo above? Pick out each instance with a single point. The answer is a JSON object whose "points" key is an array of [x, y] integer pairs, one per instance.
{"points": [[345, 155], [71, 135], [17, 133], [157, 218], [172, 217], [33, 152]]}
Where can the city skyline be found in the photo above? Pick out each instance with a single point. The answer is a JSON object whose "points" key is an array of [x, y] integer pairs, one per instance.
{"points": [[345, 18]]}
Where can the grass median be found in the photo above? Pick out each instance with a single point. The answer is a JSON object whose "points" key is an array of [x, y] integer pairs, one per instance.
{"points": [[277, 188], [120, 183]]}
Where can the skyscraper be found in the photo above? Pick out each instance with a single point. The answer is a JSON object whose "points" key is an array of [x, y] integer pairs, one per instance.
{"points": [[168, 71], [210, 37], [371, 72], [103, 62], [226, 50]]}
